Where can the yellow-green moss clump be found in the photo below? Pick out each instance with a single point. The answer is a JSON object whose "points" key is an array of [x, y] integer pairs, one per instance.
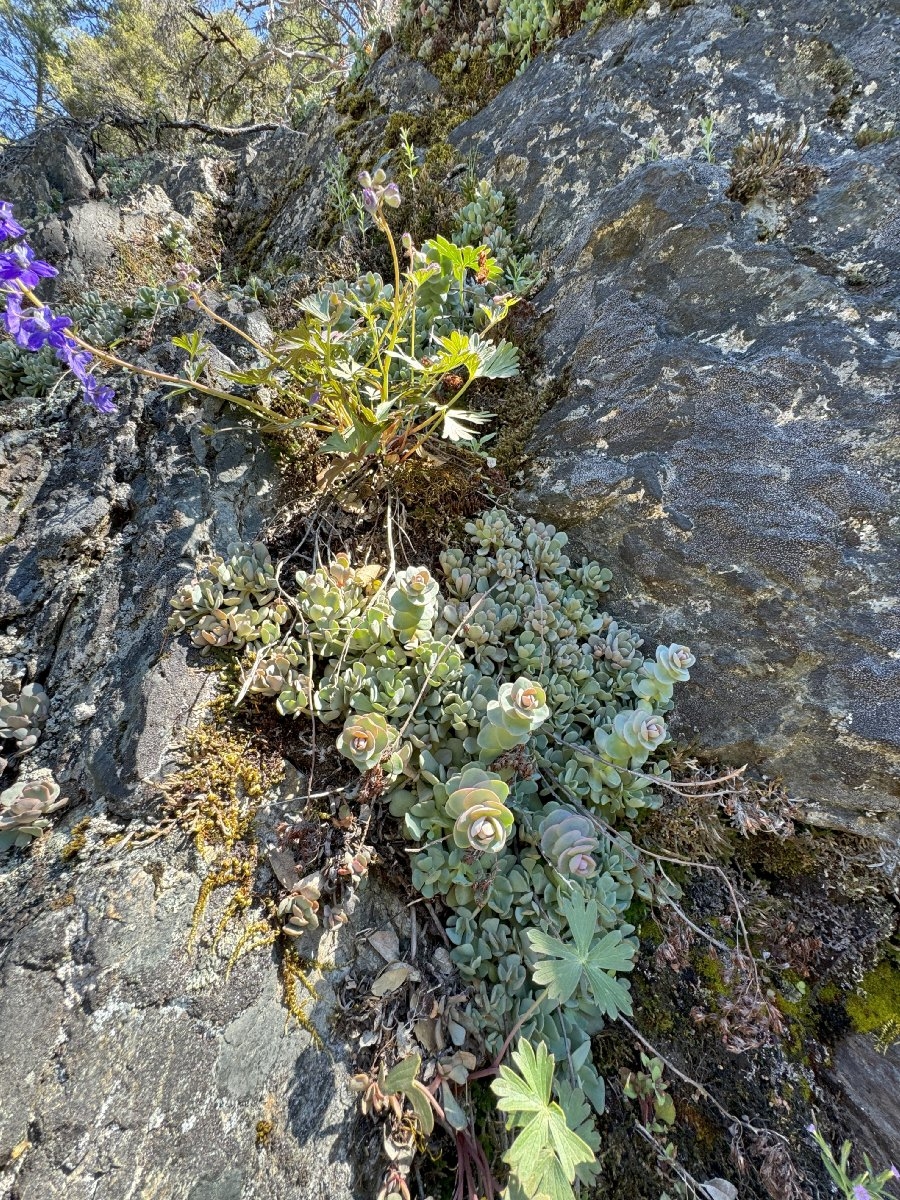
{"points": [[875, 1007], [77, 841], [215, 796]]}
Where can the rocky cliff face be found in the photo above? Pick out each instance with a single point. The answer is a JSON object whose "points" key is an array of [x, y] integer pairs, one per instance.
{"points": [[728, 438], [726, 443]]}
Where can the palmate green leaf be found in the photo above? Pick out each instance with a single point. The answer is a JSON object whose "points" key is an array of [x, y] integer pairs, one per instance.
{"points": [[317, 305], [459, 351], [500, 361], [530, 1091], [584, 962], [458, 258], [460, 424], [546, 1154]]}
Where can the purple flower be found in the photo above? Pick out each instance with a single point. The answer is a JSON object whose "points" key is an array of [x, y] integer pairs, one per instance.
{"points": [[861, 1193], [365, 179], [20, 266], [894, 1172], [100, 397], [370, 200], [9, 227], [35, 328], [391, 196]]}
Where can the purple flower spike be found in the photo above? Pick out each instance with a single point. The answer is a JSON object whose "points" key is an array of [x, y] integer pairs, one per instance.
{"points": [[100, 397], [37, 326], [9, 227], [20, 266]]}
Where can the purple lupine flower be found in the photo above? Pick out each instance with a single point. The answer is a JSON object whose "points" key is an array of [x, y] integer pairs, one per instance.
{"points": [[861, 1193], [9, 227], [20, 266]]}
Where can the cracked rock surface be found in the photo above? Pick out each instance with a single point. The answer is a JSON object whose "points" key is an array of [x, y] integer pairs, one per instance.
{"points": [[728, 439]]}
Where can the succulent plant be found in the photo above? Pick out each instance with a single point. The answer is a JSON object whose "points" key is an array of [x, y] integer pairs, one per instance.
{"points": [[657, 679], [299, 910], [514, 691], [24, 808], [512, 718], [22, 715], [481, 820], [569, 842], [413, 603], [634, 735], [99, 321], [365, 739]]}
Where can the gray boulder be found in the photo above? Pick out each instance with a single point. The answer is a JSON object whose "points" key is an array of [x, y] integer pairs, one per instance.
{"points": [[725, 441]]}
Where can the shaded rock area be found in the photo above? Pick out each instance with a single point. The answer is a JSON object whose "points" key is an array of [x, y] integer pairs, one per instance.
{"points": [[869, 1081], [728, 438], [127, 1067]]}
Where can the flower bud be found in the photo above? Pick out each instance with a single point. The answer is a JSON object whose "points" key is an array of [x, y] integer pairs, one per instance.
{"points": [[370, 200], [407, 243], [365, 179], [379, 177], [391, 196]]}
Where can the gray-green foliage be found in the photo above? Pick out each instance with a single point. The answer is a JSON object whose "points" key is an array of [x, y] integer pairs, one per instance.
{"points": [[486, 220], [23, 711], [26, 374], [513, 721], [509, 32], [99, 321], [24, 808]]}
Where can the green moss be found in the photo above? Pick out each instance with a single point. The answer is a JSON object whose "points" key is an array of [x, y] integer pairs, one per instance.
{"points": [[839, 108], [873, 137], [77, 841], [355, 103], [875, 1008], [712, 974]]}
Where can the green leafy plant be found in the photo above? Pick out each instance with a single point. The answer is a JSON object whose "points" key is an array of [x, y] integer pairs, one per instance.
{"points": [[546, 1153], [583, 963], [869, 1184], [507, 722], [377, 369], [408, 157], [389, 1088], [707, 137], [650, 1090]]}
